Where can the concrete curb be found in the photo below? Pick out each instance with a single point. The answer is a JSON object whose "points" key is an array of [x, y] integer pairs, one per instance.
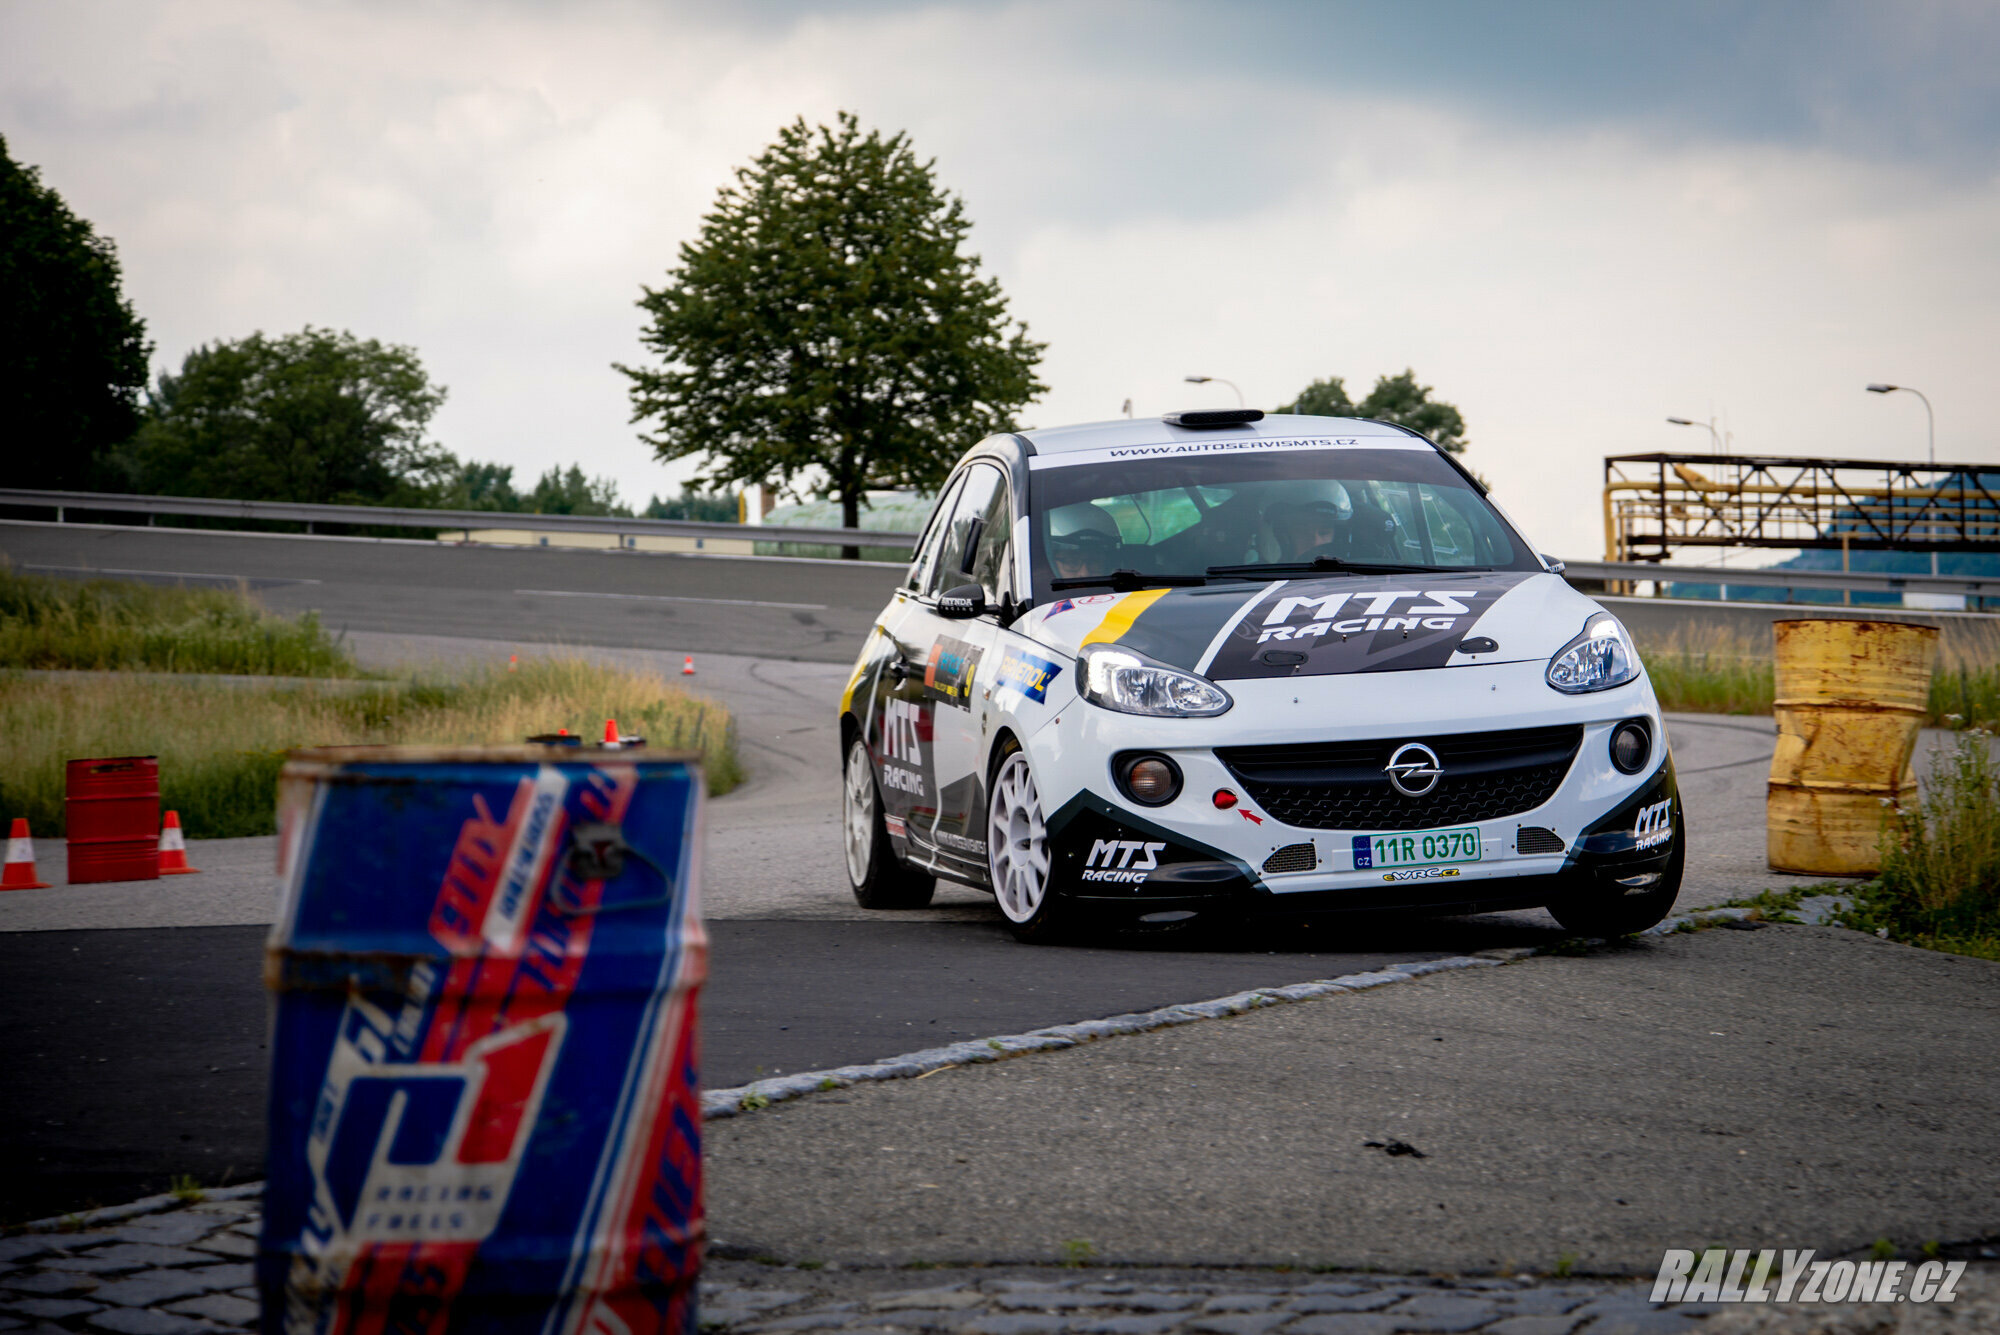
{"points": [[145, 1205], [720, 1103]]}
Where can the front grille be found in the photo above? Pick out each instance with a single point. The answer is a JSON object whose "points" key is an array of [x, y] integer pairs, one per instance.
{"points": [[1342, 786], [1535, 839], [1293, 857]]}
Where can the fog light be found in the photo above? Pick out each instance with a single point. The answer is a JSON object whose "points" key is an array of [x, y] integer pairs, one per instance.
{"points": [[1224, 799], [1151, 780], [1147, 778], [1631, 744]]}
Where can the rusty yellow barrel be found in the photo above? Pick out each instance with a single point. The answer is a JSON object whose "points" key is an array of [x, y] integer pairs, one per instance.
{"points": [[1851, 696]]}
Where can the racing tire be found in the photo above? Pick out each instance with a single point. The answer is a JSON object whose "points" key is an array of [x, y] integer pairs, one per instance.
{"points": [[879, 879], [1591, 911], [1017, 855]]}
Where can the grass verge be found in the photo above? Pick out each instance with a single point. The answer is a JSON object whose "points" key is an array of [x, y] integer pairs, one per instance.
{"points": [[119, 625], [220, 749], [1939, 886], [1717, 670]]}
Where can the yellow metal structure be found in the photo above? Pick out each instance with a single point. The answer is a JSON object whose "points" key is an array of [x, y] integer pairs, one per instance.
{"points": [[1850, 698]]}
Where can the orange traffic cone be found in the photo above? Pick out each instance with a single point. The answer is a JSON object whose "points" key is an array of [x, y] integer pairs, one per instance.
{"points": [[687, 666], [20, 871], [173, 848], [611, 734]]}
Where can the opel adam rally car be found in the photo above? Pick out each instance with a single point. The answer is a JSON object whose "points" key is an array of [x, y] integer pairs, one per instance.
{"points": [[1154, 671]]}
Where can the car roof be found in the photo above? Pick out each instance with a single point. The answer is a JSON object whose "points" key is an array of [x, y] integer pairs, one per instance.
{"points": [[1121, 431]]}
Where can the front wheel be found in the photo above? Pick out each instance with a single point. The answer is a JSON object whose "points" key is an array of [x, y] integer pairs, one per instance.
{"points": [[878, 877], [1017, 855]]}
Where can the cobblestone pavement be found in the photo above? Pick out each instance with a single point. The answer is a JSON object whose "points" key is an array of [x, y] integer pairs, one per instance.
{"points": [[164, 1267]]}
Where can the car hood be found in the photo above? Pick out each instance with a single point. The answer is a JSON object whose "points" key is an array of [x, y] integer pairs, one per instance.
{"points": [[1326, 624]]}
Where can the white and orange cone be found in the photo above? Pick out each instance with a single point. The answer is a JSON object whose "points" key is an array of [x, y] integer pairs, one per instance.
{"points": [[173, 848], [611, 734], [20, 870], [687, 666]]}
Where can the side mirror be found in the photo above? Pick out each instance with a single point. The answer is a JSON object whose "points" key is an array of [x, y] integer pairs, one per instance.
{"points": [[962, 603], [1552, 565]]}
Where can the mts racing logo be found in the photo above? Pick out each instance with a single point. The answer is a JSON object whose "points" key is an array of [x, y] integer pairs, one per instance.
{"points": [[1360, 613], [1654, 826], [1125, 861]]}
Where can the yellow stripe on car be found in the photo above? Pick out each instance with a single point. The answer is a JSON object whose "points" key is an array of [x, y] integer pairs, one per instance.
{"points": [[1121, 616]]}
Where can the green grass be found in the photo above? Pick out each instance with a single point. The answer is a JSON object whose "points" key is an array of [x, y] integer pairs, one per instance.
{"points": [[1939, 886], [111, 624], [220, 748], [1717, 671]]}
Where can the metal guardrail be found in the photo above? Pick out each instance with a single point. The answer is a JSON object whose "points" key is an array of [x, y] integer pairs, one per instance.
{"points": [[384, 516], [1854, 581], [1973, 587]]}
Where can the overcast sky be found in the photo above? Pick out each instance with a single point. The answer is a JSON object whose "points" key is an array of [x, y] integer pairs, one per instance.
{"points": [[1572, 220]]}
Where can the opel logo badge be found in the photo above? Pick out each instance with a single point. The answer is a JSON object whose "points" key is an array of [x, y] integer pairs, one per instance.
{"points": [[1414, 770]]}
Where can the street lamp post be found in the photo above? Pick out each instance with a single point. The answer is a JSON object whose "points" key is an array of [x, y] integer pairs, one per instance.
{"points": [[1204, 379], [1714, 438], [1930, 424], [1714, 447]]}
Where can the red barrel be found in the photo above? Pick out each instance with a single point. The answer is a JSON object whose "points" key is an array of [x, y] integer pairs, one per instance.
{"points": [[113, 819]]}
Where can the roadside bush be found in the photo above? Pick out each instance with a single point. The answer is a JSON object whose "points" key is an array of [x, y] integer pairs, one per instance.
{"points": [[1940, 881], [220, 747], [120, 625]]}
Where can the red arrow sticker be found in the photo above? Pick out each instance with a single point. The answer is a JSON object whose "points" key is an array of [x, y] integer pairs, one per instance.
{"points": [[1251, 816]]}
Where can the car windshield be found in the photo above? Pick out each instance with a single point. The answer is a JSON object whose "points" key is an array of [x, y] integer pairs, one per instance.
{"points": [[1260, 514]]}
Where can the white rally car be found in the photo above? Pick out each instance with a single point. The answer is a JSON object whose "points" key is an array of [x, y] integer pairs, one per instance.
{"points": [[1154, 671]]}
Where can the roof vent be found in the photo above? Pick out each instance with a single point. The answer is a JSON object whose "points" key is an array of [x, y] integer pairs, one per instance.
{"points": [[1203, 417]]}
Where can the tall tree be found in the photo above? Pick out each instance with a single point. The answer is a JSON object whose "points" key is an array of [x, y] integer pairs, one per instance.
{"points": [[1395, 398], [318, 415], [827, 328], [72, 353]]}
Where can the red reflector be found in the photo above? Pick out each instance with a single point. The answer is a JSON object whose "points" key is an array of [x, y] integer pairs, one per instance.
{"points": [[1224, 799]]}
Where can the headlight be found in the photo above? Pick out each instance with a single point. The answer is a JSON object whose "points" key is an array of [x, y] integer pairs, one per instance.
{"points": [[1597, 660], [1132, 684]]}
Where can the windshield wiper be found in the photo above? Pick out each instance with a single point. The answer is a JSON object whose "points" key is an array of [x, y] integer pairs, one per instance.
{"points": [[1126, 581], [1321, 565]]}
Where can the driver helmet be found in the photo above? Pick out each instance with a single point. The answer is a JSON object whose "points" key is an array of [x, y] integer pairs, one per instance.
{"points": [[1082, 535], [1309, 508]]}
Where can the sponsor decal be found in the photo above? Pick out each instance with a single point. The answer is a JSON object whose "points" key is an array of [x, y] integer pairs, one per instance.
{"points": [[1428, 609], [894, 825], [1124, 861], [1419, 873], [1771, 1276], [905, 727], [1358, 624], [960, 843], [1654, 826], [1062, 605], [1026, 675], [1212, 446], [948, 675]]}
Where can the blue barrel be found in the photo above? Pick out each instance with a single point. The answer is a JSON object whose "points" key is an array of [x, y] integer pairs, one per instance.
{"points": [[485, 1105]]}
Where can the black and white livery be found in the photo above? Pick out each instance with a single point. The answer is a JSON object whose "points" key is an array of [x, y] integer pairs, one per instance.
{"points": [[1156, 671]]}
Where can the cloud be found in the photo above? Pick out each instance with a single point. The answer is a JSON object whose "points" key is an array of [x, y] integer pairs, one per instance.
{"points": [[1571, 222]]}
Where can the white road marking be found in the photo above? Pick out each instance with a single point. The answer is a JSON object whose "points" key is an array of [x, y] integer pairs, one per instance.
{"points": [[672, 598], [162, 574]]}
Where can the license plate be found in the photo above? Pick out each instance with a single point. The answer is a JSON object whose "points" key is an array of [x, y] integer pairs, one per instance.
{"points": [[1419, 848]]}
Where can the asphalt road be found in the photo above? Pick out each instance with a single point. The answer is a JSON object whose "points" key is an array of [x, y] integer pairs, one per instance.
{"points": [[770, 607]]}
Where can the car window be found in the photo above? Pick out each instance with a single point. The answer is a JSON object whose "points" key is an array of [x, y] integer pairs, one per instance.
{"points": [[968, 514], [1168, 515], [990, 562], [927, 552]]}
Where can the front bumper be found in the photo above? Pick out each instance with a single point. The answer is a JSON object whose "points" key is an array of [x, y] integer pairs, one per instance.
{"points": [[1600, 826]]}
